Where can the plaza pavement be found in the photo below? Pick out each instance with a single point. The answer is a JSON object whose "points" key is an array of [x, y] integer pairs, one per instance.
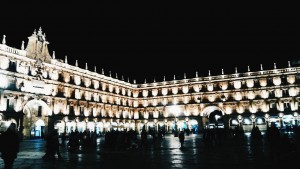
{"points": [[167, 155]]}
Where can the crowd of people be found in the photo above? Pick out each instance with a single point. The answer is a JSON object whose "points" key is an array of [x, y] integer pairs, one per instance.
{"points": [[279, 143]]}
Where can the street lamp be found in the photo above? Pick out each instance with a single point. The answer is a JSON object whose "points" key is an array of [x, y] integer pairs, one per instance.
{"points": [[296, 118], [240, 118], [166, 125], [253, 120], [267, 117], [280, 119]]}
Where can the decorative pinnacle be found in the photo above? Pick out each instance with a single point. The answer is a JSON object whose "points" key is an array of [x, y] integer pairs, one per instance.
{"points": [[208, 72], [66, 59], [236, 70], [222, 71], [4, 40], [109, 73], [184, 76], [40, 32], [164, 78], [34, 32], [22, 46], [76, 63], [86, 66], [53, 55], [122, 78], [95, 68], [196, 74], [134, 81], [174, 77], [274, 65], [289, 64], [145, 81], [261, 67], [248, 68], [154, 80], [102, 71], [128, 80], [116, 75]]}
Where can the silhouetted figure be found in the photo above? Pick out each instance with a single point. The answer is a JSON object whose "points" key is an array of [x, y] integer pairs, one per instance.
{"points": [[11, 140], [273, 138], [56, 143], [181, 138], [52, 146]]}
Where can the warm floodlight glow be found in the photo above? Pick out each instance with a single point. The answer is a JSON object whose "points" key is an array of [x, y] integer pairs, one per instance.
{"points": [[175, 110]]}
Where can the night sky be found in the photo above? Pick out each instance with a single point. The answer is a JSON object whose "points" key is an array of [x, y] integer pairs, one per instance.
{"points": [[154, 40]]}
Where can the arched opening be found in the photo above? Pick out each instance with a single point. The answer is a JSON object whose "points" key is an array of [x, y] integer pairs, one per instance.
{"points": [[213, 117], [39, 129], [35, 119]]}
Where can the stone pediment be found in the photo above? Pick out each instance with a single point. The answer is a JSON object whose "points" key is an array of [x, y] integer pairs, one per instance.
{"points": [[37, 47]]}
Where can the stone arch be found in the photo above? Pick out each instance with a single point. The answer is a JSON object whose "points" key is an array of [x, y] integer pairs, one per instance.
{"points": [[213, 115], [207, 110], [35, 110]]}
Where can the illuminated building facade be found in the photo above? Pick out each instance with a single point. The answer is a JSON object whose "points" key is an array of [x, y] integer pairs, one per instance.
{"points": [[40, 92]]}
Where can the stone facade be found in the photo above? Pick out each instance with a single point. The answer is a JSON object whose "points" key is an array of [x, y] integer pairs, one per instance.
{"points": [[39, 92]]}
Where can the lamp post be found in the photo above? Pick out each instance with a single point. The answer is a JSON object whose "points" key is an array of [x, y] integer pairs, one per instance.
{"points": [[175, 127], [166, 125], [296, 118], [267, 117], [145, 125], [155, 123], [280, 120], [253, 120], [240, 118]]}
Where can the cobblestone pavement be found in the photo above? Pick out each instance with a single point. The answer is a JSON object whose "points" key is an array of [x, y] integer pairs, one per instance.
{"points": [[227, 153]]}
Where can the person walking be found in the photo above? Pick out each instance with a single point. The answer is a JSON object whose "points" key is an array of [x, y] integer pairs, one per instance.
{"points": [[181, 138], [12, 143]]}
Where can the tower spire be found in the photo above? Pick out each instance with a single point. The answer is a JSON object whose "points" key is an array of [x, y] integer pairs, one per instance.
{"points": [[86, 66], [164, 78], [145, 81], [109, 73], [53, 55], [154, 81], [76, 63], [196, 73], [248, 68], [4, 40], [128, 80], [236, 71], [102, 71], [66, 59], [184, 76], [208, 72], [289, 64], [116, 75], [261, 67], [275, 66], [222, 71], [122, 78], [95, 68], [174, 77]]}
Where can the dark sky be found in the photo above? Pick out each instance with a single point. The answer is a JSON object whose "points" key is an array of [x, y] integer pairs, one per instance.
{"points": [[152, 40]]}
